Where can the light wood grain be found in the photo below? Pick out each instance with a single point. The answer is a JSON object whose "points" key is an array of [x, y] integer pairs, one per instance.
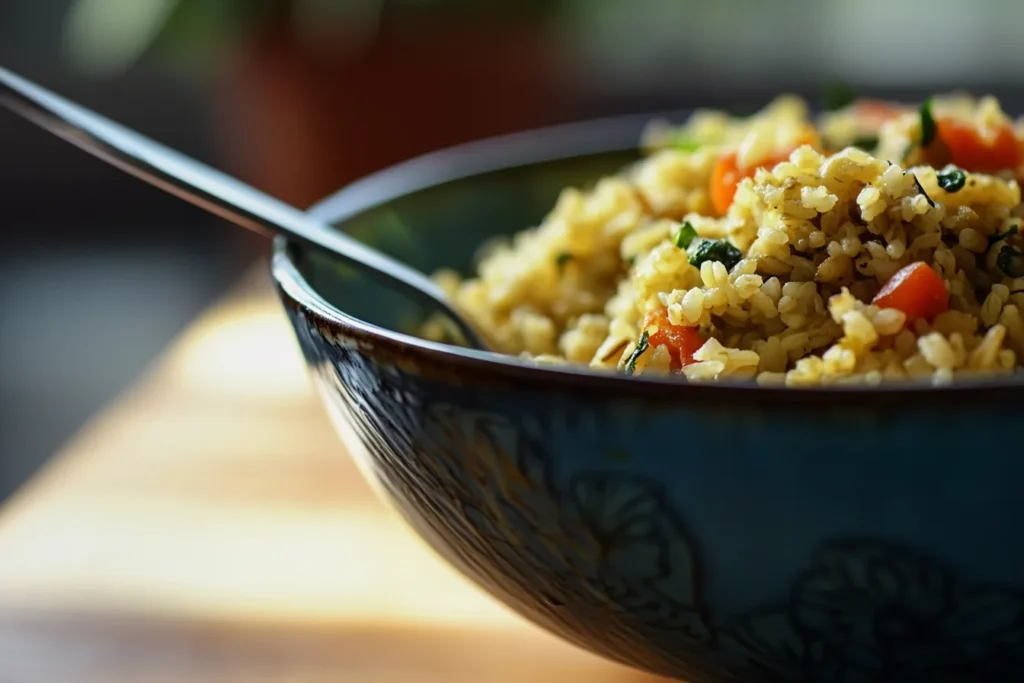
{"points": [[209, 527]]}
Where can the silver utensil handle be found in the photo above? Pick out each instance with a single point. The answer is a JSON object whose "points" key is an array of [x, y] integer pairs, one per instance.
{"points": [[212, 190]]}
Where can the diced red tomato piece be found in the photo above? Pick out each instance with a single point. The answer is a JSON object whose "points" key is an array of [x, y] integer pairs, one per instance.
{"points": [[873, 113], [972, 152], [917, 290], [682, 341], [724, 179], [727, 174]]}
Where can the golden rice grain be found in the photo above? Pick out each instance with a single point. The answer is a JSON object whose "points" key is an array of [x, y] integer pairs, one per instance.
{"points": [[817, 237]]}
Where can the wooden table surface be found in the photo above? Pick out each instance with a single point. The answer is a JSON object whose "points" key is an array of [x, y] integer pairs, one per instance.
{"points": [[208, 527]]}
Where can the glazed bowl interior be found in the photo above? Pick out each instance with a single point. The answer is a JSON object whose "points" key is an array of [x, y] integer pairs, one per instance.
{"points": [[431, 224]]}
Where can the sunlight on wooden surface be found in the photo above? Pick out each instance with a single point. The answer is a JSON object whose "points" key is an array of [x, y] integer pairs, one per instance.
{"points": [[216, 492], [246, 350], [185, 560], [130, 530]]}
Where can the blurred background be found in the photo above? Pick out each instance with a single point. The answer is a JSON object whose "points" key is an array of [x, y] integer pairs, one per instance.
{"points": [[98, 271]]}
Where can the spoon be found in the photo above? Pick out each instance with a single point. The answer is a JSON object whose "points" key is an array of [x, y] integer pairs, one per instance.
{"points": [[216, 192]]}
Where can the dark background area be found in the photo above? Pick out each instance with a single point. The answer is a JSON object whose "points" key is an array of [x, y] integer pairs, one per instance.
{"points": [[98, 271]]}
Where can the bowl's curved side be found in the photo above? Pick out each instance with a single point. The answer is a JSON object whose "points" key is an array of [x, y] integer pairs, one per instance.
{"points": [[482, 492], [749, 546]]}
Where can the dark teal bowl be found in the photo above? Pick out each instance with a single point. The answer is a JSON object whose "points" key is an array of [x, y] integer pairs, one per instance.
{"points": [[706, 532]]}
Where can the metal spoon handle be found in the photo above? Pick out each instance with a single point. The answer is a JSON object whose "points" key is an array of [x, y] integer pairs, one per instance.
{"points": [[210, 189]]}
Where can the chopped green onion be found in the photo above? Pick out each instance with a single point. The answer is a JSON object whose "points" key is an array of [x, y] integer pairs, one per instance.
{"points": [[927, 123], [685, 236], [641, 347], [952, 180], [715, 250], [921, 190]]}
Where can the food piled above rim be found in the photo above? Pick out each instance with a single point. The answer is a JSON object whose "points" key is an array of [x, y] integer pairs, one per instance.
{"points": [[831, 264]]}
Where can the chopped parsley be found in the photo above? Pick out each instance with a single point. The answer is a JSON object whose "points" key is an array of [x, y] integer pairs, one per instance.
{"points": [[685, 235], [715, 250], [641, 347], [865, 142], [1011, 261], [927, 123], [629, 260], [562, 259], [952, 179], [921, 190], [837, 95], [999, 238]]}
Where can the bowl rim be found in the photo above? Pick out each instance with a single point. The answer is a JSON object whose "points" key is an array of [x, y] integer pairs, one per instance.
{"points": [[561, 142]]}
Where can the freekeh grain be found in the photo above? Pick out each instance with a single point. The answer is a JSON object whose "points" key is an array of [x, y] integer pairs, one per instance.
{"points": [[781, 287]]}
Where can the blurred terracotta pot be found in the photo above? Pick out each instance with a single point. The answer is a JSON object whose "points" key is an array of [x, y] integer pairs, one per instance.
{"points": [[299, 124]]}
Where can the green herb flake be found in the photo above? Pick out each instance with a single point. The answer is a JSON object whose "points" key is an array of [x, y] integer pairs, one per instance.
{"points": [[1000, 237], [1011, 261], [865, 142], [685, 235], [641, 347], [630, 260], [715, 250], [952, 179], [837, 95], [927, 123], [562, 259], [684, 143], [921, 190]]}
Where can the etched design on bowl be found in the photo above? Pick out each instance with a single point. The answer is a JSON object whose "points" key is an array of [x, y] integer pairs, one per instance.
{"points": [[603, 558]]}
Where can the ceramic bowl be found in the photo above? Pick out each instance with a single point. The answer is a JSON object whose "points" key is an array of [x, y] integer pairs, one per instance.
{"points": [[711, 533]]}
